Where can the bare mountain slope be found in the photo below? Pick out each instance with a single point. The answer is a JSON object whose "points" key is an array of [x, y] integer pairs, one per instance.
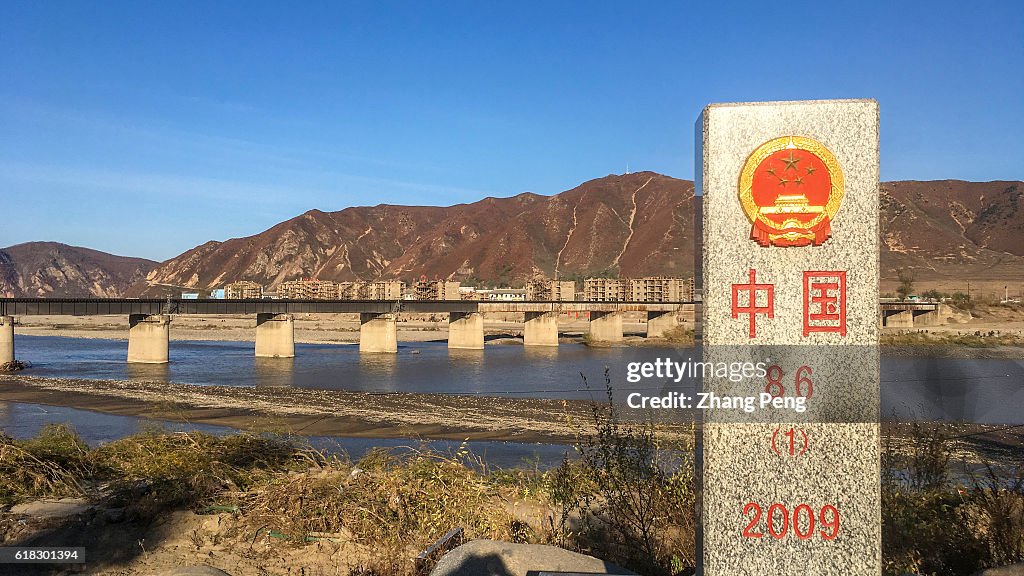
{"points": [[50, 269], [952, 228], [634, 225], [590, 229]]}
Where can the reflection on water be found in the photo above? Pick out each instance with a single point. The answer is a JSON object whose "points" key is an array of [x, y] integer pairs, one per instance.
{"points": [[378, 364], [421, 367], [540, 353], [275, 372], [148, 371], [984, 391], [466, 357]]}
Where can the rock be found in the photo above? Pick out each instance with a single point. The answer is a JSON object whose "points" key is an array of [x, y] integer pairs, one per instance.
{"points": [[195, 571], [489, 557], [1011, 570], [52, 509]]}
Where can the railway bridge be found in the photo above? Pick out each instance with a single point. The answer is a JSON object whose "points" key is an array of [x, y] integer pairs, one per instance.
{"points": [[911, 314], [149, 320]]}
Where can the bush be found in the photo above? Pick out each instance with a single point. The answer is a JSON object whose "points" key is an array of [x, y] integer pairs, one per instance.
{"points": [[158, 470], [630, 497], [14, 366], [931, 525], [996, 514]]}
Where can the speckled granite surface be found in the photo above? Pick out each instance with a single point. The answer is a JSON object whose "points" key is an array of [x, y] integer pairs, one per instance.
{"points": [[838, 465]]}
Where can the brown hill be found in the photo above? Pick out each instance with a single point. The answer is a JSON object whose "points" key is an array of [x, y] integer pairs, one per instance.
{"points": [[50, 269], [631, 225], [635, 224], [953, 229]]}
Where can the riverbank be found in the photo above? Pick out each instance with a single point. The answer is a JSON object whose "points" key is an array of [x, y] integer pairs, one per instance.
{"points": [[250, 505], [953, 351], [254, 505], [311, 412]]}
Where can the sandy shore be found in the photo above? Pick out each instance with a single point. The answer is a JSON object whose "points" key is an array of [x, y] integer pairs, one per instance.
{"points": [[953, 352], [313, 412]]}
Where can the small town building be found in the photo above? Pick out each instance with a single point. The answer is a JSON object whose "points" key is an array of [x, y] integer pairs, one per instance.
{"points": [[243, 289], [507, 294]]}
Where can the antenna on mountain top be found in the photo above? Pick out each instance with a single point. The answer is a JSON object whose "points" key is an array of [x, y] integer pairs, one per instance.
{"points": [[627, 167]]}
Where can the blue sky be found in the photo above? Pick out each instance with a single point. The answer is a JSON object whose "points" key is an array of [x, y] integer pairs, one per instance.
{"points": [[145, 128]]}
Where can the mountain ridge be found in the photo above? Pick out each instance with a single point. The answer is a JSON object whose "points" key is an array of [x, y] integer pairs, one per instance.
{"points": [[53, 269], [634, 224]]}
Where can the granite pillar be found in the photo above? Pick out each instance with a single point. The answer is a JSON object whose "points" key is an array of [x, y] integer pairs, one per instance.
{"points": [[790, 280]]}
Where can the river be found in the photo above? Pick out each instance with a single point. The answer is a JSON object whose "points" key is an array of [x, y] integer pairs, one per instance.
{"points": [[980, 391]]}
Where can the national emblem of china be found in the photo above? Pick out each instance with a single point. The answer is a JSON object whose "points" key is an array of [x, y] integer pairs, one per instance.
{"points": [[790, 189]]}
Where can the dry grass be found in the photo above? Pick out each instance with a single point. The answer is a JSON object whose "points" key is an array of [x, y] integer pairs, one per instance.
{"points": [[157, 470], [679, 335], [392, 504], [398, 503], [629, 497], [49, 465], [932, 524]]}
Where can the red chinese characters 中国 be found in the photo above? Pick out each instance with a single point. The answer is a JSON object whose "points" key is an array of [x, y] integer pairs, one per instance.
{"points": [[825, 302]]}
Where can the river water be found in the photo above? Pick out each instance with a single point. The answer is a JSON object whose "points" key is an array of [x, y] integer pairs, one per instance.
{"points": [[980, 391]]}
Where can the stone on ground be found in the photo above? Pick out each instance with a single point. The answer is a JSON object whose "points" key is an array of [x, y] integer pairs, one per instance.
{"points": [[53, 509], [489, 557]]}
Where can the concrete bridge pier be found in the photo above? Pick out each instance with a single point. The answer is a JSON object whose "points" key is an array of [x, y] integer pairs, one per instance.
{"points": [[6, 339], [378, 332], [541, 329], [148, 338], [606, 326], [466, 330], [275, 335], [901, 319], [658, 323]]}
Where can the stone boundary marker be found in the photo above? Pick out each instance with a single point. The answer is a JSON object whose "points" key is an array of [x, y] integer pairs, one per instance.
{"points": [[789, 218]]}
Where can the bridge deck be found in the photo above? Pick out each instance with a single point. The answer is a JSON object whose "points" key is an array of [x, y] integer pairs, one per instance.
{"points": [[103, 306], [900, 306]]}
